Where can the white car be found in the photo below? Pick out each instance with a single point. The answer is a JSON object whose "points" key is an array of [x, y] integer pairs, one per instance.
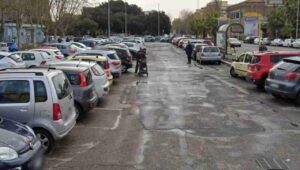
{"points": [[132, 46], [8, 60], [80, 45], [277, 42], [34, 58], [256, 40], [115, 63], [234, 42], [98, 75], [288, 42], [296, 43], [55, 54]]}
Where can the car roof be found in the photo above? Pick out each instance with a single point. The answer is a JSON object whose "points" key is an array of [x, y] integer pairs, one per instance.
{"points": [[29, 51], [41, 71], [96, 58], [98, 51], [63, 43], [276, 53], [75, 63], [71, 68], [295, 59], [5, 53]]}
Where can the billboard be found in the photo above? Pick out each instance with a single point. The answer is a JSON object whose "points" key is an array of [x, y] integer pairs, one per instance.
{"points": [[251, 26]]}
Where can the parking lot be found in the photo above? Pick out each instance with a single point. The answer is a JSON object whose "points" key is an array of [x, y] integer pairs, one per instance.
{"points": [[183, 117]]}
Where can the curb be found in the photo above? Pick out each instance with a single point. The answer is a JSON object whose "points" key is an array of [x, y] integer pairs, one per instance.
{"points": [[226, 62]]}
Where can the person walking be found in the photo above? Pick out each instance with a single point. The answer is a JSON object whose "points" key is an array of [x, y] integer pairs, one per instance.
{"points": [[188, 51]]}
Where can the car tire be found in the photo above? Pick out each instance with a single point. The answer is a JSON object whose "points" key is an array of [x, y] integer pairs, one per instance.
{"points": [[232, 72], [276, 96], [78, 110], [46, 139], [219, 62], [261, 85], [298, 99]]}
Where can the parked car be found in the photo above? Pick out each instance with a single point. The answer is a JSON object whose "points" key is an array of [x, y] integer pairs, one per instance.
{"points": [[65, 48], [41, 99], [266, 41], [288, 42], [233, 42], [249, 39], [209, 54], [89, 43], [196, 49], [123, 54], [256, 40], [113, 60], [99, 77], [261, 64], [284, 79], [19, 147], [8, 60], [100, 60], [134, 48], [149, 39], [85, 97], [81, 45], [277, 42], [239, 66], [296, 43], [53, 53], [34, 58]]}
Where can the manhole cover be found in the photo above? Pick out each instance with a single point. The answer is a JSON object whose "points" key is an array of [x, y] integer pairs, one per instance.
{"points": [[271, 164]]}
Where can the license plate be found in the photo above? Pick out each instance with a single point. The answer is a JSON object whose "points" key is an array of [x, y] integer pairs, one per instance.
{"points": [[274, 85]]}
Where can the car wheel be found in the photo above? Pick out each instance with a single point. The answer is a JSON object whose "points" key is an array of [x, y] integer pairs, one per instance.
{"points": [[277, 96], [124, 69], [232, 72], [262, 83], [46, 139], [78, 111], [219, 62], [298, 99]]}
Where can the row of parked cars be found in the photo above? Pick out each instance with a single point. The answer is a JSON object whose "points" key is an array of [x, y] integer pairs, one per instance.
{"points": [[288, 42], [203, 50], [276, 72], [44, 92]]}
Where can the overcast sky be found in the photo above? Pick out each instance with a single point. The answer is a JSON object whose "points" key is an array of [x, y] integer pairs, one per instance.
{"points": [[171, 7]]}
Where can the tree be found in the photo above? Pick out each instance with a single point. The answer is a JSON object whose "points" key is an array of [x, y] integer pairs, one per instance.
{"points": [[276, 21]]}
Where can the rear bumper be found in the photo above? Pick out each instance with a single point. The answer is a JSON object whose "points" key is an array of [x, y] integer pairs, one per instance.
{"points": [[282, 89], [219, 58]]}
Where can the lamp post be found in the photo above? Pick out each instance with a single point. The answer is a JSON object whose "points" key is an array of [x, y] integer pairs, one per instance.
{"points": [[108, 18], [158, 21], [297, 27], [125, 4]]}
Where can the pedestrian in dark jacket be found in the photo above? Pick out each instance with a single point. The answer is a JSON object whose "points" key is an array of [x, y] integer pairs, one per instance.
{"points": [[188, 51]]}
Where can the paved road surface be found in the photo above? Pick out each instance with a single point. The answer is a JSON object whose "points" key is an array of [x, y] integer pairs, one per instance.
{"points": [[183, 117]]}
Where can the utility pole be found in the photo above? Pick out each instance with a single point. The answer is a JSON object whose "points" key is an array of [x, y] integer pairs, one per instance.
{"points": [[125, 18], [108, 18], [297, 27], [158, 22]]}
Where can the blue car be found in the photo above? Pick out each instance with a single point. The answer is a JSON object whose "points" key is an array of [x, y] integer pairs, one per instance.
{"points": [[19, 147]]}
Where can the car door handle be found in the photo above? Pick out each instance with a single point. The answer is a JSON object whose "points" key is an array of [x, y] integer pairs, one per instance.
{"points": [[23, 110]]}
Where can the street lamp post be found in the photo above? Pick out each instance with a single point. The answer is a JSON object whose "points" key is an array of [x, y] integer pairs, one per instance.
{"points": [[108, 18], [297, 27], [125, 18], [158, 22]]}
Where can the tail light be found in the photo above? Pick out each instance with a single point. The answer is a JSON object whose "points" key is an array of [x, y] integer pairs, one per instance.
{"points": [[58, 57], [83, 81], [292, 75], [72, 50], [56, 112], [128, 58], [43, 62], [116, 63], [106, 65]]}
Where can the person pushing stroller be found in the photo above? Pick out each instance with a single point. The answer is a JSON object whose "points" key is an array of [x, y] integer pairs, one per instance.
{"points": [[141, 63]]}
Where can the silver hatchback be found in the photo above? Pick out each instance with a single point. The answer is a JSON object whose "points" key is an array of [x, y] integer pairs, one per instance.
{"points": [[209, 54], [40, 98]]}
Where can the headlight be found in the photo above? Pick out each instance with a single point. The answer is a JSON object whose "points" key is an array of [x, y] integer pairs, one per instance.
{"points": [[7, 154]]}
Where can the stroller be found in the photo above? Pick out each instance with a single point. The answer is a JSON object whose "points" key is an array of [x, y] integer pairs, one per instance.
{"points": [[143, 68]]}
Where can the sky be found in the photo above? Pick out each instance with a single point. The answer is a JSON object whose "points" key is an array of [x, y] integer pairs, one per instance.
{"points": [[171, 7]]}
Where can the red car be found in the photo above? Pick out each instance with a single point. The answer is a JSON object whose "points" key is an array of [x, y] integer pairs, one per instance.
{"points": [[262, 62]]}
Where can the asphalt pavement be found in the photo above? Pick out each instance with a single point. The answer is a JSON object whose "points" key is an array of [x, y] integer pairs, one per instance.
{"points": [[183, 117]]}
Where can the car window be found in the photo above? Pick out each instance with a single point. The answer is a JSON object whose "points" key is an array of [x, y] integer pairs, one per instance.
{"points": [[255, 59], [62, 86], [28, 56], [112, 56], [73, 78], [1, 56], [88, 75], [210, 50], [288, 66], [97, 70], [241, 58], [40, 93], [14, 91], [15, 57], [277, 58], [247, 58]]}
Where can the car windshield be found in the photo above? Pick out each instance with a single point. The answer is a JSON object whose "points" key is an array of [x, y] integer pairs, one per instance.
{"points": [[288, 66], [211, 49], [15, 57]]}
